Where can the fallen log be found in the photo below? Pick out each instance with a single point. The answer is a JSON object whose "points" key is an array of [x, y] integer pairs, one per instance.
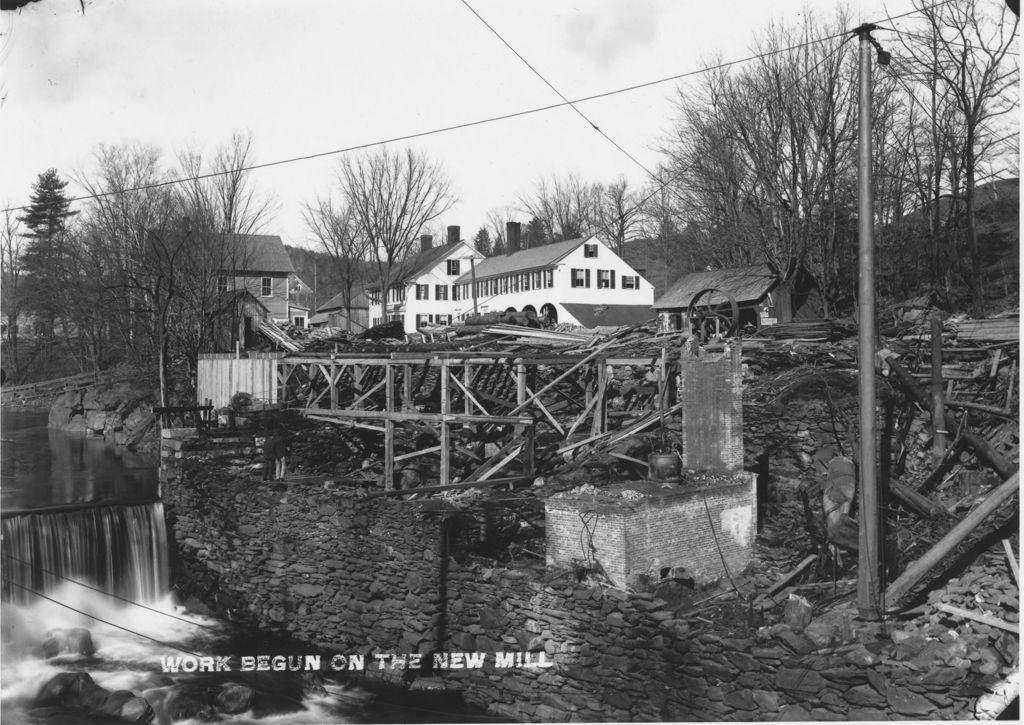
{"points": [[982, 449], [982, 618], [919, 568], [920, 503], [1012, 560]]}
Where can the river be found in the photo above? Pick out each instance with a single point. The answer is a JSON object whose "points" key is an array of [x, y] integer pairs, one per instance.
{"points": [[85, 545]]}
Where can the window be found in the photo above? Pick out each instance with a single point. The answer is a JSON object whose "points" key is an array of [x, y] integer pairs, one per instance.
{"points": [[421, 320], [536, 280], [423, 291], [504, 285], [515, 282], [630, 281], [440, 291], [581, 278], [526, 282], [222, 283], [455, 292], [606, 279], [589, 250], [266, 287], [443, 319], [299, 321], [549, 278], [453, 267]]}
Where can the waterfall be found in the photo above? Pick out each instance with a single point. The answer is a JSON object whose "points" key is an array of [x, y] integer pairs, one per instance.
{"points": [[117, 549]]}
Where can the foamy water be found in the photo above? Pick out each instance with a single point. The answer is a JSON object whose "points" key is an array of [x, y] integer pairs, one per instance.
{"points": [[130, 642]]}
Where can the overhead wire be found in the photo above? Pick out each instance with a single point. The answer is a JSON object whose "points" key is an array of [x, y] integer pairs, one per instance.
{"points": [[110, 594], [454, 127]]}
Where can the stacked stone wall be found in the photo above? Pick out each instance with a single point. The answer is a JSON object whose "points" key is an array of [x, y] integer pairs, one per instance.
{"points": [[349, 574]]}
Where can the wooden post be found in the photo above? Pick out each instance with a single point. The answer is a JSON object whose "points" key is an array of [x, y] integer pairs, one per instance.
{"points": [[599, 425], [446, 407], [938, 414], [467, 380], [357, 384], [332, 380], [389, 428], [407, 403], [520, 383]]}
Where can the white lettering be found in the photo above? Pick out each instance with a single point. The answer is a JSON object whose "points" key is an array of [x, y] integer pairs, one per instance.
{"points": [[248, 663], [475, 659], [504, 659]]}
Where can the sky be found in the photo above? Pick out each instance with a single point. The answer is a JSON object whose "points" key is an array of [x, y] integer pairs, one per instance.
{"points": [[307, 77]]}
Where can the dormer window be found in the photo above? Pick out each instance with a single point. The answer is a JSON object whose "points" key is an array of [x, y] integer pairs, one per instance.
{"points": [[590, 250]]}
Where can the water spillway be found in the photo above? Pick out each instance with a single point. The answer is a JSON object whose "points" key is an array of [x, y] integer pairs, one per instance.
{"points": [[120, 549]]}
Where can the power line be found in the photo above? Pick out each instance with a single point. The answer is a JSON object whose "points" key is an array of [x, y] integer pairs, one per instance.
{"points": [[443, 129], [968, 46], [99, 619], [110, 594], [467, 124]]}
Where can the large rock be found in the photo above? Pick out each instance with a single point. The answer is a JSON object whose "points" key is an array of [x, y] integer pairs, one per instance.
{"points": [[78, 691], [77, 641], [234, 698]]}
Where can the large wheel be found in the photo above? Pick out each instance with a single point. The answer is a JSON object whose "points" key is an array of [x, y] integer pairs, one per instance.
{"points": [[707, 320]]}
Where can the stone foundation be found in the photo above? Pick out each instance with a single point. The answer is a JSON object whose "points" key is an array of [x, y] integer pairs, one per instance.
{"points": [[632, 532]]}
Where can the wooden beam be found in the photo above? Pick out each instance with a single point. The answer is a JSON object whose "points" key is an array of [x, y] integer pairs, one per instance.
{"points": [[342, 421], [357, 403], [470, 398], [522, 390], [985, 452], [919, 502], [425, 417], [919, 568], [983, 618], [450, 487], [389, 428], [563, 376], [640, 425], [446, 409], [1012, 560]]}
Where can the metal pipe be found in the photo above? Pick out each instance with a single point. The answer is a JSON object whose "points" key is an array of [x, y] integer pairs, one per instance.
{"points": [[867, 566]]}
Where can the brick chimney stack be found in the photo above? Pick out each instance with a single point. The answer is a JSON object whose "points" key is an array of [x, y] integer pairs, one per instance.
{"points": [[426, 240], [512, 233], [453, 234]]}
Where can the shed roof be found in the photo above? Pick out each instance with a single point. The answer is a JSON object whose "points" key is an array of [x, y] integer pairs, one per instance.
{"points": [[745, 284], [591, 315], [359, 301], [532, 258]]}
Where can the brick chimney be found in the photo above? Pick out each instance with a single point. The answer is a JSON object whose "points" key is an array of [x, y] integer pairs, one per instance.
{"points": [[425, 242], [512, 233], [453, 234]]}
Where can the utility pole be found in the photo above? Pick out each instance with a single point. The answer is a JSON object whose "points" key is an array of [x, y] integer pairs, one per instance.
{"points": [[868, 589]]}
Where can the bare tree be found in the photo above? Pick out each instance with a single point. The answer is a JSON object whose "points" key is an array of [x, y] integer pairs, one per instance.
{"points": [[335, 228], [497, 218], [618, 214], [11, 273], [966, 62], [392, 196], [566, 208]]}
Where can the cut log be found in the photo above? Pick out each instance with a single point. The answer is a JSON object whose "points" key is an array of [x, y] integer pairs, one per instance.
{"points": [[975, 616], [917, 570]]}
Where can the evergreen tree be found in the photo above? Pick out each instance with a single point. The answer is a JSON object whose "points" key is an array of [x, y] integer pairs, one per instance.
{"points": [[45, 256], [535, 235], [482, 241]]}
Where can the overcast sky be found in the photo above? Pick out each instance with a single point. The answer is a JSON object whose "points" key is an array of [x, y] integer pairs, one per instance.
{"points": [[306, 77]]}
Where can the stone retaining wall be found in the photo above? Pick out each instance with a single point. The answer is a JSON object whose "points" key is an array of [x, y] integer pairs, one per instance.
{"points": [[355, 575]]}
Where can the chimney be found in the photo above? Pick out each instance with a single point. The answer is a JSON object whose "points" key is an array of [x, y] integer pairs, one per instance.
{"points": [[453, 234], [511, 237], [425, 242]]}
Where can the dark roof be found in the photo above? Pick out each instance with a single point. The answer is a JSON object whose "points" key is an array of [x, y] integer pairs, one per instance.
{"points": [[260, 253], [591, 315], [418, 263], [745, 284], [337, 302], [532, 258], [230, 297]]}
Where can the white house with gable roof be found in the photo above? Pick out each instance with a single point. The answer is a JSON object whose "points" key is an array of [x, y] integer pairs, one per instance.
{"points": [[425, 289], [578, 281]]}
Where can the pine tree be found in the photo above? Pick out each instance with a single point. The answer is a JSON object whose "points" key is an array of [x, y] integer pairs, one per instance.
{"points": [[482, 241], [45, 254]]}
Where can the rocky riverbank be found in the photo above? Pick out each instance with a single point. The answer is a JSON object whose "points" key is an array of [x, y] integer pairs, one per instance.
{"points": [[121, 412]]}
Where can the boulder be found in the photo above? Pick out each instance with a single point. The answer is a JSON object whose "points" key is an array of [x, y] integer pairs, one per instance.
{"points": [[77, 641], [234, 698], [78, 691]]}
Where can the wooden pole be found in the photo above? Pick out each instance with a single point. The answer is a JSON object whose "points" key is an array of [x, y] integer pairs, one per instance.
{"points": [[389, 429], [938, 413], [446, 440], [870, 530], [916, 571]]}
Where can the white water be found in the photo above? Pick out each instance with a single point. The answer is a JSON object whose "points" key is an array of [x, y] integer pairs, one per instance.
{"points": [[126, 658]]}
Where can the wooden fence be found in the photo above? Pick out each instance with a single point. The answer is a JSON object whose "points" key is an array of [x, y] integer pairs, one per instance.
{"points": [[220, 376]]}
